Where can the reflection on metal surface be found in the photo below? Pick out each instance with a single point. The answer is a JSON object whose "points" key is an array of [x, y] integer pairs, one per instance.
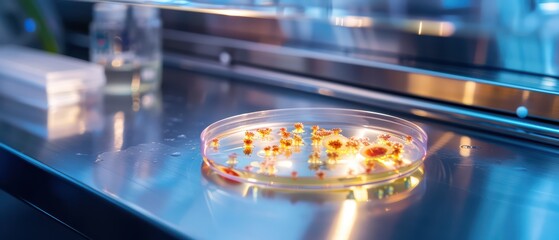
{"points": [[258, 11], [235, 12], [469, 93], [419, 112], [549, 82], [142, 163], [431, 28], [326, 92], [53, 123], [511, 35], [498, 91], [135, 84], [525, 96], [441, 142], [138, 124], [136, 101], [352, 21], [349, 211], [360, 194], [452, 91], [344, 221], [465, 151], [118, 129], [549, 7]]}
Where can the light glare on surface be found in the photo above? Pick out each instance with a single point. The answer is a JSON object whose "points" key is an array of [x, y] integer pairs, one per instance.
{"points": [[549, 6], [345, 221], [118, 130], [352, 21], [431, 28], [469, 92], [465, 152], [285, 164]]}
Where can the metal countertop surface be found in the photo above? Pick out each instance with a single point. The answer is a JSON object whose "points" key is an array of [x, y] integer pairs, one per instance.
{"points": [[142, 153]]}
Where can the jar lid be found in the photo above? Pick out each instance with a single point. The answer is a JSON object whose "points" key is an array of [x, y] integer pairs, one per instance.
{"points": [[109, 12]]}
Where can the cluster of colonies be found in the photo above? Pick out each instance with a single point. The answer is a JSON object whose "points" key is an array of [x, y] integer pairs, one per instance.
{"points": [[336, 146]]}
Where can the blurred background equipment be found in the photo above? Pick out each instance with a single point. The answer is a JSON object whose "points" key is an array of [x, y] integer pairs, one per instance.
{"points": [[32, 23], [127, 43]]}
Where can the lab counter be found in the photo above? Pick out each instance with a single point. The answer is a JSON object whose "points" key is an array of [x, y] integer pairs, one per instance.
{"points": [[130, 167]]}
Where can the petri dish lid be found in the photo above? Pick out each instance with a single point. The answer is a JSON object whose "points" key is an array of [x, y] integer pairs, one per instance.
{"points": [[313, 148]]}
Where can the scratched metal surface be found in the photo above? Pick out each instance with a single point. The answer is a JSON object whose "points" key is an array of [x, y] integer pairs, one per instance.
{"points": [[143, 153]]}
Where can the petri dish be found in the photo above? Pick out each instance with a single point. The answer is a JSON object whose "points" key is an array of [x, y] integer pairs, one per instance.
{"points": [[313, 148], [409, 188]]}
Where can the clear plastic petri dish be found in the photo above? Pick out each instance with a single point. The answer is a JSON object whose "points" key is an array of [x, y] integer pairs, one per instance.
{"points": [[410, 188], [313, 148]]}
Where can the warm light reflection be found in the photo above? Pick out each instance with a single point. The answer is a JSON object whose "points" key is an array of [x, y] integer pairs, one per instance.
{"points": [[440, 142], [420, 112], [414, 181], [465, 151], [66, 116], [469, 93], [354, 163], [360, 194], [135, 84], [118, 130], [406, 161], [326, 92], [359, 157], [136, 102], [246, 190], [361, 133], [345, 220], [388, 164], [431, 28], [525, 96], [116, 63], [66, 121], [352, 21], [69, 87], [446, 29], [252, 190]]}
